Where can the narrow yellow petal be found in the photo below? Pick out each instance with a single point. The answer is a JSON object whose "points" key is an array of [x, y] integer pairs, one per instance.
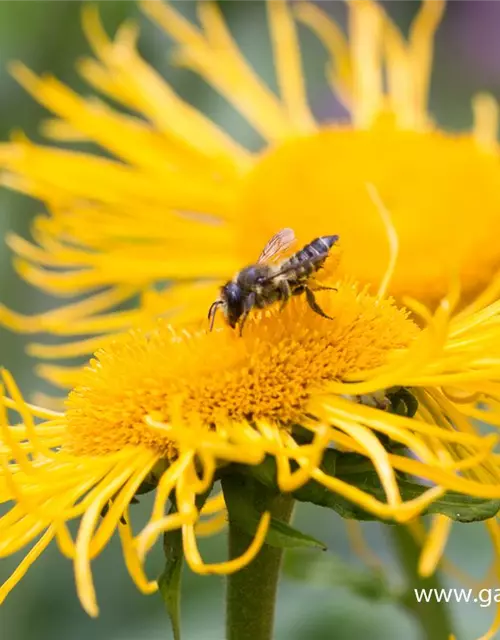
{"points": [[18, 453], [366, 22], [149, 535], [485, 108], [142, 463], [216, 58], [132, 560], [26, 563], [68, 350], [214, 504], [20, 534], [168, 482], [422, 33], [433, 548], [352, 493], [378, 455], [445, 479], [392, 239], [61, 131], [288, 65], [211, 526], [65, 541], [127, 138], [196, 563], [62, 176], [129, 79], [400, 81], [83, 575], [360, 546], [32, 433], [50, 320], [339, 69]]}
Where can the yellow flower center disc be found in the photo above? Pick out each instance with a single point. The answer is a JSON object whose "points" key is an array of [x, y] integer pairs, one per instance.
{"points": [[442, 192]]}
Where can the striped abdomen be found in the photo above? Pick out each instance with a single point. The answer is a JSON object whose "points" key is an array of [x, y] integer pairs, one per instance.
{"points": [[309, 259]]}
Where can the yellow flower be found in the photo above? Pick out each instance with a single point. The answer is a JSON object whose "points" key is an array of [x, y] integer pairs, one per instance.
{"points": [[175, 407], [179, 200]]}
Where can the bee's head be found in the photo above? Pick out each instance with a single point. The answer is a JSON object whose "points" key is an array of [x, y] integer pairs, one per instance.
{"points": [[232, 299]]}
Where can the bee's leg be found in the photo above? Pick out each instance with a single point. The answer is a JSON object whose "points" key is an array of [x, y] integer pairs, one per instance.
{"points": [[311, 300], [285, 293], [322, 287], [248, 305]]}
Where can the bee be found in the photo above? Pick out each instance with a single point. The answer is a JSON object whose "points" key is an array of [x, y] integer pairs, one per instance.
{"points": [[267, 281]]}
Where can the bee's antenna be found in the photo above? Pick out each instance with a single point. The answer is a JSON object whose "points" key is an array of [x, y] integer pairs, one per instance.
{"points": [[212, 311]]}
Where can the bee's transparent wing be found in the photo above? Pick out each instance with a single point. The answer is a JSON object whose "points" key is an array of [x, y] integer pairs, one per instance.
{"points": [[277, 245]]}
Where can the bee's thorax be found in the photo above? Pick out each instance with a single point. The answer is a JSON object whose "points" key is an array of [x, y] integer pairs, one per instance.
{"points": [[260, 285]]}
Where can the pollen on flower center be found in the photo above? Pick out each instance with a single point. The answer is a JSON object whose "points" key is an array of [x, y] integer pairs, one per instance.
{"points": [[212, 378], [442, 192]]}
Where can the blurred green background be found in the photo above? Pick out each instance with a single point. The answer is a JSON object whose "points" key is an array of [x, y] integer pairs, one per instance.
{"points": [[47, 36]]}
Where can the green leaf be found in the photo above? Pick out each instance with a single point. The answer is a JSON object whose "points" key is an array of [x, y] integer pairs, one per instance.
{"points": [[457, 506], [243, 512], [329, 570], [284, 536], [454, 505], [359, 472], [316, 493]]}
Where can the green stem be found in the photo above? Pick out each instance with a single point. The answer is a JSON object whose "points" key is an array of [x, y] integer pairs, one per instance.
{"points": [[251, 592], [433, 616]]}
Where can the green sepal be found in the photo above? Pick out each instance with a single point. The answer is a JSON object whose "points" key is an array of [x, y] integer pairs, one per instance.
{"points": [[145, 487], [329, 570], [264, 473], [244, 514], [403, 402], [359, 472]]}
